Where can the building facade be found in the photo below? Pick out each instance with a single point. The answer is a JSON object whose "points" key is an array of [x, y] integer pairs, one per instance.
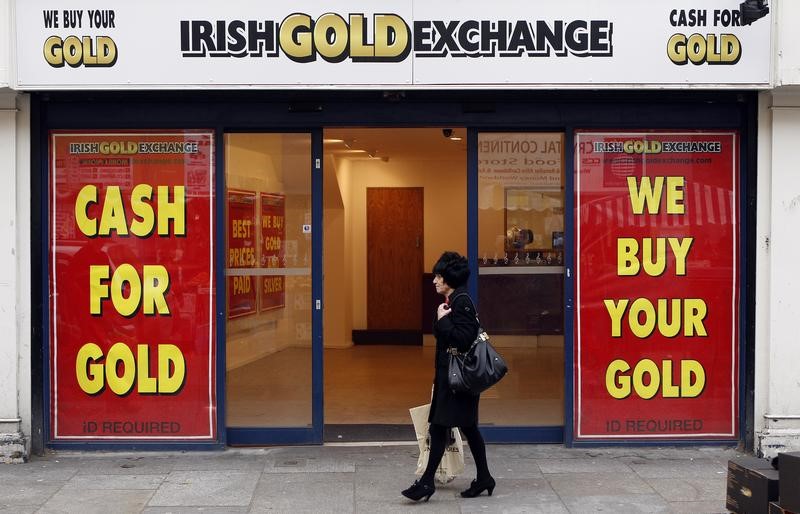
{"points": [[207, 214]]}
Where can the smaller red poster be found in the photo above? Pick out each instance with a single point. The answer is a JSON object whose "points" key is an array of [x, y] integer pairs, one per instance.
{"points": [[241, 253], [273, 235]]}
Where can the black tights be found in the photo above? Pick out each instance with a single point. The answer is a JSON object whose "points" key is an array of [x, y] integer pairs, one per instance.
{"points": [[440, 437]]}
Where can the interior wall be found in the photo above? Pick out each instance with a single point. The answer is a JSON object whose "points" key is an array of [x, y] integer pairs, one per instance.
{"points": [[337, 319], [445, 214]]}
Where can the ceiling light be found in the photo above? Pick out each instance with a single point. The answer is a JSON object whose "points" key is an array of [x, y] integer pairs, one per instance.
{"points": [[331, 141], [455, 138]]}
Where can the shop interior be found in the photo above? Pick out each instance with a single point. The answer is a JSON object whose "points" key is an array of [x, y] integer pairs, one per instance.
{"points": [[394, 199]]}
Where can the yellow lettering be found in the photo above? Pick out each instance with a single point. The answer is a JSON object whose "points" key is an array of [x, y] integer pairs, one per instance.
{"points": [[175, 210], [665, 328], [170, 356], [646, 367], [88, 372], [143, 210], [645, 193], [87, 195], [296, 39], [155, 286], [615, 311], [113, 217], [618, 385], [680, 247], [145, 383], [689, 368], [642, 329], [386, 26], [120, 353], [97, 289], [627, 263], [651, 267], [126, 273], [668, 389], [332, 49], [675, 195], [694, 311], [358, 47]]}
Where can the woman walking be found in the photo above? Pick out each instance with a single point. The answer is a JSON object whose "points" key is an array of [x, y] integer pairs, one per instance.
{"points": [[456, 327]]}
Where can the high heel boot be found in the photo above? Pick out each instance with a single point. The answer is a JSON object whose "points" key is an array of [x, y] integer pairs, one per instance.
{"points": [[419, 490], [478, 486]]}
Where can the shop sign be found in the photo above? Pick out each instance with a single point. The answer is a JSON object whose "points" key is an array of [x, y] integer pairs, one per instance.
{"points": [[131, 286], [241, 253], [273, 255], [408, 43], [657, 260]]}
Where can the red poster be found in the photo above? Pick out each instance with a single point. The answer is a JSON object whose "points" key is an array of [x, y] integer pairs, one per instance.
{"points": [[657, 285], [132, 286], [273, 236], [241, 253]]}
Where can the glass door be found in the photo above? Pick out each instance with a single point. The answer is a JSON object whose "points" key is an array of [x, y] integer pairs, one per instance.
{"points": [[520, 284], [271, 295]]}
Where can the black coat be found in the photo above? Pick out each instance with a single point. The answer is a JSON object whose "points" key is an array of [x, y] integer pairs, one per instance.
{"points": [[457, 329]]}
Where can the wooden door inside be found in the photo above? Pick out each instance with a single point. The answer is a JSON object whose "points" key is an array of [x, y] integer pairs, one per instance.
{"points": [[395, 250]]}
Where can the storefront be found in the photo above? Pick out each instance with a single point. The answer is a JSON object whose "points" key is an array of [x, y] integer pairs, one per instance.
{"points": [[247, 260]]}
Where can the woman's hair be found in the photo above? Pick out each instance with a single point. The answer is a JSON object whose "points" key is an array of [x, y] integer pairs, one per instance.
{"points": [[453, 268]]}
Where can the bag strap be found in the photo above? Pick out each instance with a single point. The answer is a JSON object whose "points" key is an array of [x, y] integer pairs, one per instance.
{"points": [[471, 303]]}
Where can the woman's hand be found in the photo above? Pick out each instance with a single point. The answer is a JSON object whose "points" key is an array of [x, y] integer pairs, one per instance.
{"points": [[442, 311]]}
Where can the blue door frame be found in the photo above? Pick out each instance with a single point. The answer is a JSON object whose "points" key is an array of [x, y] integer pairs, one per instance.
{"points": [[299, 111]]}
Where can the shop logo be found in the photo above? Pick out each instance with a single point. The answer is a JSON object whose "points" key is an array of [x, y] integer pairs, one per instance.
{"points": [[388, 38], [77, 51], [708, 48]]}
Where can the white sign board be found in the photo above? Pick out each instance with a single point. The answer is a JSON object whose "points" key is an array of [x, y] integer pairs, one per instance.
{"points": [[78, 44]]}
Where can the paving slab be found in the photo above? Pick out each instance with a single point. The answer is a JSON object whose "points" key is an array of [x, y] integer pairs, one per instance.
{"points": [[196, 510], [704, 507], [200, 488], [689, 489], [404, 506], [18, 510], [103, 482], [95, 501], [583, 465], [598, 484], [18, 493], [517, 495], [671, 468], [305, 492], [617, 503], [291, 464], [124, 465]]}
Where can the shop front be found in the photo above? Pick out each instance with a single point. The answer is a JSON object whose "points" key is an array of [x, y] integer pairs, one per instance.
{"points": [[239, 265]]}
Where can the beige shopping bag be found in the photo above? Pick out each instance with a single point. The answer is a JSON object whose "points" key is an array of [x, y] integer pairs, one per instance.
{"points": [[453, 460]]}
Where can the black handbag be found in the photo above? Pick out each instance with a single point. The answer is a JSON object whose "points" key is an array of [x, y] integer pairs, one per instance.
{"points": [[477, 369]]}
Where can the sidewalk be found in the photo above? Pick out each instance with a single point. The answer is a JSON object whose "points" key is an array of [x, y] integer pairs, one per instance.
{"points": [[530, 478]]}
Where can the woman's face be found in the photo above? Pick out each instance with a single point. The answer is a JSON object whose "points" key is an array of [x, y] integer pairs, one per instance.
{"points": [[441, 287]]}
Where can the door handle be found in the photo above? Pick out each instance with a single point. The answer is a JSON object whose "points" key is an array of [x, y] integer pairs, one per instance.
{"points": [[417, 241]]}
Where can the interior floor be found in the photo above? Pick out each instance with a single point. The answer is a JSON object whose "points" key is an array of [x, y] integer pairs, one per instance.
{"points": [[378, 384]]}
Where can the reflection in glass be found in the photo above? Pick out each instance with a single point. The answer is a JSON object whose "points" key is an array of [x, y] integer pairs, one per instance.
{"points": [[520, 282], [268, 352]]}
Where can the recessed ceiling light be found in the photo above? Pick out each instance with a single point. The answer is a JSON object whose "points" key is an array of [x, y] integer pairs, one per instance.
{"points": [[333, 141], [455, 138]]}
